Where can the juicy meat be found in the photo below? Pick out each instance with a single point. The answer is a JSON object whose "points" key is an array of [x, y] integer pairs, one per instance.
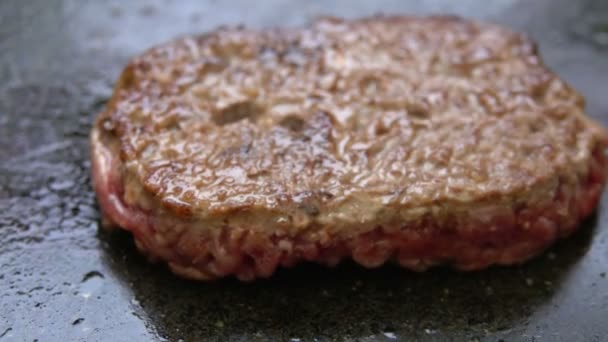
{"points": [[421, 140]]}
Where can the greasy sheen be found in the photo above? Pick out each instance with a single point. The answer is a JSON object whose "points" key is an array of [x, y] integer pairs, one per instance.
{"points": [[345, 124]]}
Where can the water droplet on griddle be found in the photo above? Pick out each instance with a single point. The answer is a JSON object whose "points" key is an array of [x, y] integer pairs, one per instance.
{"points": [[61, 184], [390, 335], [91, 274], [91, 282]]}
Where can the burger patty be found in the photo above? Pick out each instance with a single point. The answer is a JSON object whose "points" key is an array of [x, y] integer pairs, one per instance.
{"points": [[425, 141]]}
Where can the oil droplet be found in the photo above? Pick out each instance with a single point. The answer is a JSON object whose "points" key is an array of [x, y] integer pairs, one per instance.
{"points": [[529, 281], [6, 333], [90, 283], [90, 275], [59, 185], [390, 335]]}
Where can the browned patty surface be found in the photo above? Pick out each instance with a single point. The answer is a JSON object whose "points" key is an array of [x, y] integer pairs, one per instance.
{"points": [[332, 131]]}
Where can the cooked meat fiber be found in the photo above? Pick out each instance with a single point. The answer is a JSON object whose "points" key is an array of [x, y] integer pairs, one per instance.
{"points": [[419, 140]]}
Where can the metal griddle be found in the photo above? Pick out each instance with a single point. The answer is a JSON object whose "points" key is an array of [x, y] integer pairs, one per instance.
{"points": [[61, 279]]}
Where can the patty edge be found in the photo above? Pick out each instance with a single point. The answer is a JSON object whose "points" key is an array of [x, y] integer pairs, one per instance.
{"points": [[497, 235]]}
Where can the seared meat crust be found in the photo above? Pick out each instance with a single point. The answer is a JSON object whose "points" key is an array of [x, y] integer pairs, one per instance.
{"points": [[423, 140]]}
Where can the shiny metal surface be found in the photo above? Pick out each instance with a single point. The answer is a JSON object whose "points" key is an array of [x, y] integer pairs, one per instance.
{"points": [[61, 279]]}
